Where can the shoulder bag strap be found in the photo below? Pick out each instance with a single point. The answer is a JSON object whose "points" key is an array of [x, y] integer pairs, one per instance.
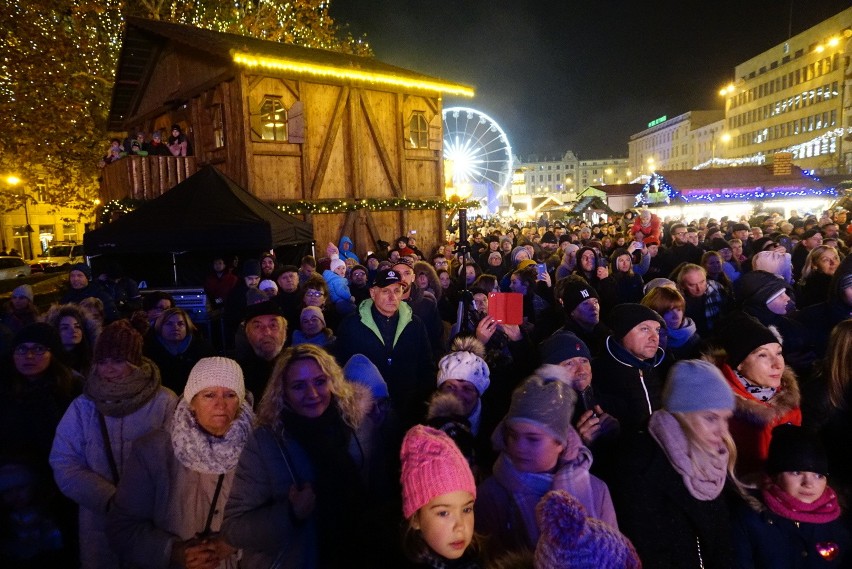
{"points": [[108, 447], [213, 505]]}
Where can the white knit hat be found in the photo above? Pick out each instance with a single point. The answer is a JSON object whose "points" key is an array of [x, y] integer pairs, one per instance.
{"points": [[266, 285], [337, 263], [215, 372], [466, 366]]}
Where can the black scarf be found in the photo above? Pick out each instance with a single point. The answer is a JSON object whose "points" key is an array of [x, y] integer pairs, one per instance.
{"points": [[340, 494]]}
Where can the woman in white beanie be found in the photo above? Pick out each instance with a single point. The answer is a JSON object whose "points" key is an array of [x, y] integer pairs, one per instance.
{"points": [[171, 500]]}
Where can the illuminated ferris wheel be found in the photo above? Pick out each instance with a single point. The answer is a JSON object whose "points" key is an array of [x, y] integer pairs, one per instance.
{"points": [[478, 147]]}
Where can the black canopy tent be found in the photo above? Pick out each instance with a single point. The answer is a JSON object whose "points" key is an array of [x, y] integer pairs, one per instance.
{"points": [[206, 212]]}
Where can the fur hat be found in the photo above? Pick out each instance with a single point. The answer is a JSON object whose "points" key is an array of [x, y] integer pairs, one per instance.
{"points": [[563, 346], [24, 290], [794, 449], [740, 334], [626, 316], [83, 268], [466, 366], [696, 385], [119, 341], [544, 403], [432, 465], [569, 538], [573, 290], [359, 369], [215, 372]]}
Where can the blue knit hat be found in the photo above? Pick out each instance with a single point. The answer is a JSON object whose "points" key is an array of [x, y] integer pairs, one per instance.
{"points": [[359, 369], [696, 385], [563, 346]]}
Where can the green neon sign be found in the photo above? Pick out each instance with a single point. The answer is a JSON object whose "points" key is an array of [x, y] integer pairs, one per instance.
{"points": [[655, 122]]}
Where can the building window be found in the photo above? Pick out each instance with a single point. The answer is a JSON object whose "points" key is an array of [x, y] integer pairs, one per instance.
{"points": [[419, 130], [217, 122], [273, 120], [69, 232]]}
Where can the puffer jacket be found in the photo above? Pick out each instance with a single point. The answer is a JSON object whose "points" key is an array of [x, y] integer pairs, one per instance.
{"points": [[81, 467]]}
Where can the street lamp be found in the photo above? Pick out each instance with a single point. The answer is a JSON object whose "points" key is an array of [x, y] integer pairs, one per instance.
{"points": [[14, 181], [725, 138]]}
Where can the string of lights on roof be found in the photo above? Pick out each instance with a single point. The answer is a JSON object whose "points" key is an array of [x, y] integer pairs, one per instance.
{"points": [[351, 74], [659, 191]]}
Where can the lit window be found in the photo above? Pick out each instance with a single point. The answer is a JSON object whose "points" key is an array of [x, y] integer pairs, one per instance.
{"points": [[418, 130], [273, 119], [217, 121]]}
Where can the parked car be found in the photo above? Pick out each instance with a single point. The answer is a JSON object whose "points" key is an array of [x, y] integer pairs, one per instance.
{"points": [[13, 268], [58, 256]]}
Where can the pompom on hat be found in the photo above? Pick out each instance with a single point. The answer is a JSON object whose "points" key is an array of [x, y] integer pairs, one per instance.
{"points": [[215, 372], [465, 366], [119, 341], [432, 466], [569, 538]]}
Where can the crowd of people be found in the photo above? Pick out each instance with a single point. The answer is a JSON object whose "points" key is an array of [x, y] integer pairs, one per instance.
{"points": [[137, 143], [675, 394]]}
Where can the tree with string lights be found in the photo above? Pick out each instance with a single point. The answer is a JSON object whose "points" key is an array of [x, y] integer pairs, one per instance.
{"points": [[58, 65]]}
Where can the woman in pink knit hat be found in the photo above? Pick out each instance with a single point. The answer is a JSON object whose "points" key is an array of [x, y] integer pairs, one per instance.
{"points": [[438, 492]]}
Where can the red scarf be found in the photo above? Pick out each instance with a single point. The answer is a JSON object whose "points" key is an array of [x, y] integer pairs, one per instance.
{"points": [[823, 510]]}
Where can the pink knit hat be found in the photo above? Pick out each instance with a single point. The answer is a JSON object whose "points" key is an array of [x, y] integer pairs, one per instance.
{"points": [[432, 465]]}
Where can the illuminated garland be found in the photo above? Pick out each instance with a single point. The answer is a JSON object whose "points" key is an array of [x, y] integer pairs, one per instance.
{"points": [[122, 206], [372, 204], [667, 194]]}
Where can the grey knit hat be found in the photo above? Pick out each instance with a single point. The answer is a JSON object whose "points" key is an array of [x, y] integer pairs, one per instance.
{"points": [[547, 404], [696, 385]]}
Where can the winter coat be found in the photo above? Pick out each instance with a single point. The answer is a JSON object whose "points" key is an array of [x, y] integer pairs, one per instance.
{"points": [[175, 368], [338, 287], [344, 254], [669, 527], [155, 487], [81, 467], [763, 539], [95, 290], [258, 516], [753, 420], [406, 365]]}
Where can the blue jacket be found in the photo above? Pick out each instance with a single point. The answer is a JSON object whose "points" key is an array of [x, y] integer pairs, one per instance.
{"points": [[350, 254]]}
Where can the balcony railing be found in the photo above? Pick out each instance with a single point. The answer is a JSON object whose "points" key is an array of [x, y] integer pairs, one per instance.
{"points": [[144, 177]]}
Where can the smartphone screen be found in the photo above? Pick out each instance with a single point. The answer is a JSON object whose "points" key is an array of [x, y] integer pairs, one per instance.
{"points": [[542, 269]]}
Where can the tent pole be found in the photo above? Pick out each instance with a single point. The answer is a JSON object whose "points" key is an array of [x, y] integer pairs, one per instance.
{"points": [[174, 267]]}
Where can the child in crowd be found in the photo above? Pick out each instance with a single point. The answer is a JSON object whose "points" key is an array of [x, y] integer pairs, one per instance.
{"points": [[438, 493], [794, 521], [338, 286], [539, 451]]}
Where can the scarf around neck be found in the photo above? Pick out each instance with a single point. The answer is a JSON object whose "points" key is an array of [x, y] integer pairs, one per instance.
{"points": [[703, 473], [680, 336], [121, 398], [528, 488], [823, 510], [758, 392], [200, 451]]}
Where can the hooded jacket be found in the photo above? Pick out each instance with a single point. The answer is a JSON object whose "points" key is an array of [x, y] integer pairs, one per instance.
{"points": [[347, 254]]}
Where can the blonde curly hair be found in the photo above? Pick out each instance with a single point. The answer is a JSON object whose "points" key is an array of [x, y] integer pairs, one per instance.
{"points": [[274, 400]]}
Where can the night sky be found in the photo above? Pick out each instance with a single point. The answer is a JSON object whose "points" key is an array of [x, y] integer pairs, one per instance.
{"points": [[579, 74]]}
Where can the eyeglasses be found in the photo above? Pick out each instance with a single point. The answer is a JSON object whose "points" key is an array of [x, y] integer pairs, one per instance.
{"points": [[313, 293], [36, 350]]}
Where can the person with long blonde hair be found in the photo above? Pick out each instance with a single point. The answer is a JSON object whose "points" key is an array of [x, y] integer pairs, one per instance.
{"points": [[827, 406], [821, 264], [301, 488], [671, 480]]}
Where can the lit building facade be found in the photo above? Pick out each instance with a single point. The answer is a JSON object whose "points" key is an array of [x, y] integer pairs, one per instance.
{"points": [[794, 97], [568, 174], [677, 143]]}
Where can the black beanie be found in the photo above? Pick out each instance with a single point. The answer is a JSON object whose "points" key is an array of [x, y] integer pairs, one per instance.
{"points": [[573, 291], [740, 334], [624, 317], [39, 333], [756, 288], [718, 244], [795, 449]]}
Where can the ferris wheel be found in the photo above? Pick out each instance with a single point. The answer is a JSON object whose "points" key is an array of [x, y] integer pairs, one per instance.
{"points": [[478, 147]]}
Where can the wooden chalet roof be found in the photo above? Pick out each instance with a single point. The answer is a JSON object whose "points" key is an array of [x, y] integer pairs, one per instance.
{"points": [[740, 177], [144, 39]]}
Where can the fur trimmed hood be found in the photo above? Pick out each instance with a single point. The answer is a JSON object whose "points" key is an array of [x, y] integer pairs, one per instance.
{"points": [[787, 399]]}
